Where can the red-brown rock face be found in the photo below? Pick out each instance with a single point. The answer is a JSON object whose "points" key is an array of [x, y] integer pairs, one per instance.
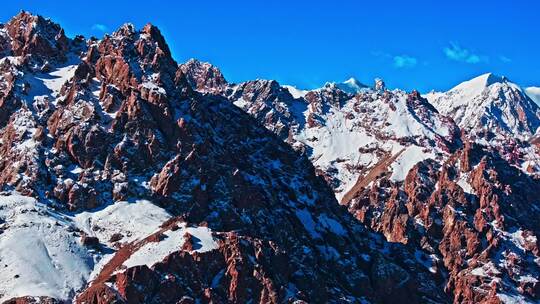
{"points": [[36, 36], [474, 215]]}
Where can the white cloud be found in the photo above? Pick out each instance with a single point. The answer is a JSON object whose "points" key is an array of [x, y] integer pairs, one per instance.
{"points": [[505, 59], [404, 61], [99, 27], [457, 53]]}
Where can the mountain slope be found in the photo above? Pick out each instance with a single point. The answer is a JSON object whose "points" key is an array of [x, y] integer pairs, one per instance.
{"points": [[467, 208], [347, 135]]}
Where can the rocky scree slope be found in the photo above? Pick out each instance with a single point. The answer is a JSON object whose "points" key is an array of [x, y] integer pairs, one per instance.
{"points": [[129, 185]]}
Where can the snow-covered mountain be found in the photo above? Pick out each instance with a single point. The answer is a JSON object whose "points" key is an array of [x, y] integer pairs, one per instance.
{"points": [[50, 253], [408, 171], [127, 177], [348, 135], [489, 103], [121, 182]]}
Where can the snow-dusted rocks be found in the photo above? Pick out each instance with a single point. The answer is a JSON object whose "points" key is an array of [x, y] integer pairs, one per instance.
{"points": [[396, 155], [379, 85], [467, 214], [346, 136], [203, 76], [37, 36]]}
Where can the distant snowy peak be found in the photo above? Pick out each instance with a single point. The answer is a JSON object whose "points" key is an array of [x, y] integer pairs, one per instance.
{"points": [[478, 84], [534, 94], [348, 135], [351, 86], [489, 103]]}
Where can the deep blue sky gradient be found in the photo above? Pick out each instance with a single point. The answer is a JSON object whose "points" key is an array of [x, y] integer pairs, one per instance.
{"points": [[410, 44]]}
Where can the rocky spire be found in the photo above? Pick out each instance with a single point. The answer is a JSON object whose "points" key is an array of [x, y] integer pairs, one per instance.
{"points": [[203, 76], [379, 84], [37, 36]]}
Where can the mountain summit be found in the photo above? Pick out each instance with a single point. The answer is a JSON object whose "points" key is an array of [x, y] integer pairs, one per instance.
{"points": [[351, 86], [489, 103]]}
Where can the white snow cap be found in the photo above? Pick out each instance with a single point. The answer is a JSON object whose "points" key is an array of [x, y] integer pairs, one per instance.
{"points": [[534, 94], [478, 84], [351, 86]]}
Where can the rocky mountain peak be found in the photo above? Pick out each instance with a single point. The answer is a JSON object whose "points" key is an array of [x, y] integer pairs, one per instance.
{"points": [[379, 85], [34, 35], [331, 94], [203, 76], [153, 33], [125, 30], [140, 57]]}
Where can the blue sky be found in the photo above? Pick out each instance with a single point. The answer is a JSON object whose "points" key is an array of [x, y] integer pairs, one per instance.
{"points": [[410, 44]]}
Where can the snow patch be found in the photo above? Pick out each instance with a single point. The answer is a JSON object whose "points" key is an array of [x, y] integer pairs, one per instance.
{"points": [[307, 221], [331, 224], [134, 220], [465, 185], [42, 255], [296, 93], [154, 252], [404, 163]]}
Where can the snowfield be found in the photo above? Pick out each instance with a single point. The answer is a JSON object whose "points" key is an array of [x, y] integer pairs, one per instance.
{"points": [[154, 252], [335, 145], [131, 220], [48, 85], [41, 252]]}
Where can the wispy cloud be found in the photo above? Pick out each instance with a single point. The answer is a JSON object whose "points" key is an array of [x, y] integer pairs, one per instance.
{"points": [[505, 59], [404, 61], [99, 27], [457, 53], [398, 61]]}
